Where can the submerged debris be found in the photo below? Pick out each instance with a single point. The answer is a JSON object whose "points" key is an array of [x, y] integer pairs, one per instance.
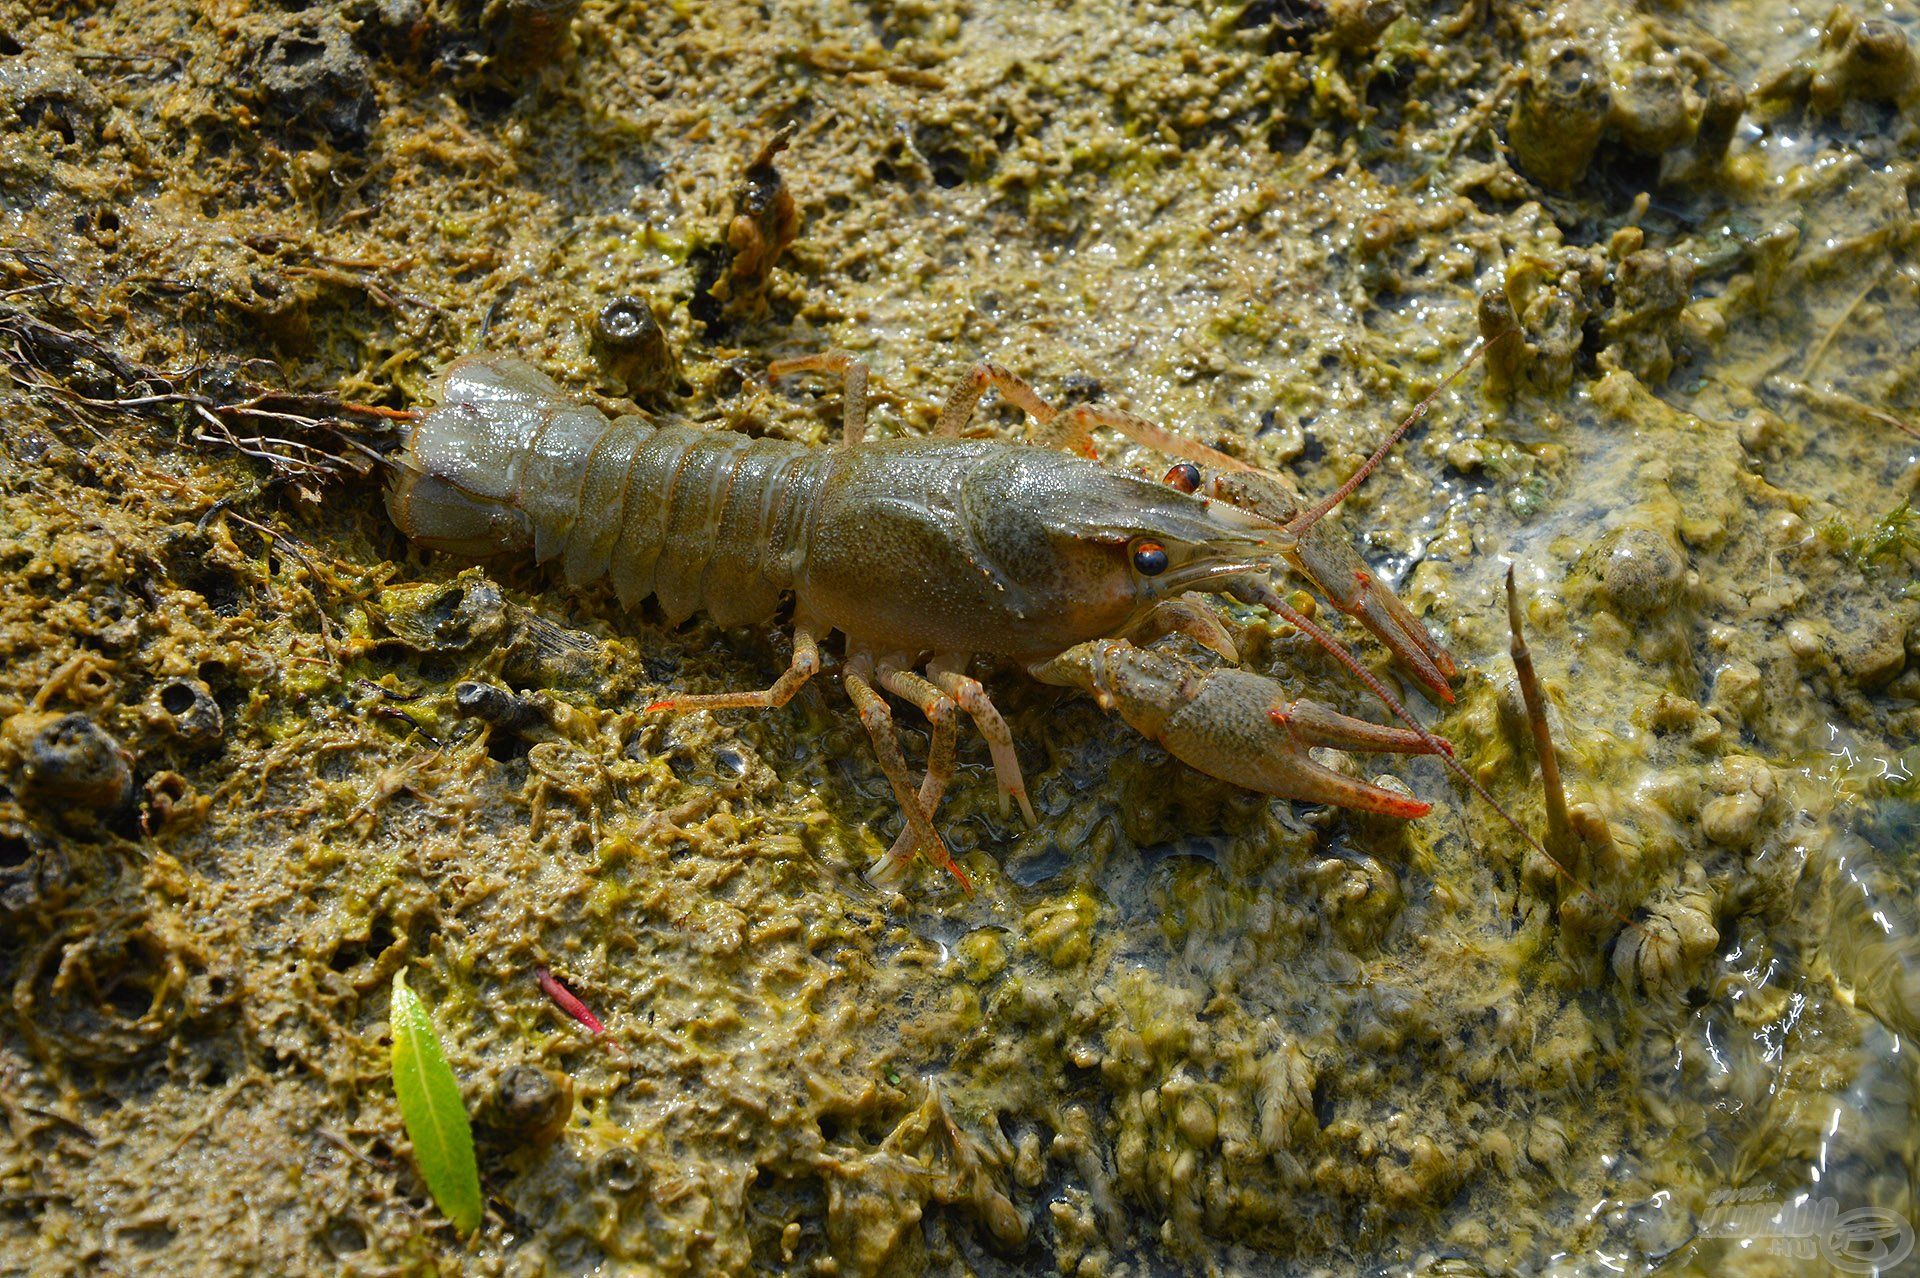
{"points": [[765, 221], [1867, 59], [69, 759], [1559, 832], [1639, 571], [1557, 120], [1664, 955], [632, 349], [528, 1105]]}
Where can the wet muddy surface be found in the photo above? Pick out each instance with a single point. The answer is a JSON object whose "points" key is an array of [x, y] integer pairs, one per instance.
{"points": [[258, 754]]}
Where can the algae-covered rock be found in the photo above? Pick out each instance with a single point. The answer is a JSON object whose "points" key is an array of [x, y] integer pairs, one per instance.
{"points": [[311, 78], [69, 761], [1557, 119]]}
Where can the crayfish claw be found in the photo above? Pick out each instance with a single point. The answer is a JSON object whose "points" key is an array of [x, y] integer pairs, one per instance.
{"points": [[1332, 563], [1237, 725], [1318, 725], [1310, 782], [1382, 612], [889, 869]]}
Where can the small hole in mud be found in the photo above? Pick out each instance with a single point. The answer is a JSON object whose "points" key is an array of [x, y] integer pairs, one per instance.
{"points": [[124, 821], [176, 698], [441, 670], [620, 1170], [154, 1237], [949, 170], [448, 603], [14, 849], [505, 747], [9, 46], [129, 1000], [298, 52], [576, 1253], [343, 1237], [353, 953], [1287, 137], [1323, 1110]]}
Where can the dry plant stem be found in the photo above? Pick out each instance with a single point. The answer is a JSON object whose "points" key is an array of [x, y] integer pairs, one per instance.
{"points": [[299, 552], [218, 422], [1559, 832], [1841, 405], [1266, 597]]}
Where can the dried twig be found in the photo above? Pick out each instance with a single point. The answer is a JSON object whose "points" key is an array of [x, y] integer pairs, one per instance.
{"points": [[299, 552], [304, 438], [1834, 402], [1559, 830]]}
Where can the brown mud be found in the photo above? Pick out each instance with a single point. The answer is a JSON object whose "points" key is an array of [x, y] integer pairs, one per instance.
{"points": [[257, 754]]}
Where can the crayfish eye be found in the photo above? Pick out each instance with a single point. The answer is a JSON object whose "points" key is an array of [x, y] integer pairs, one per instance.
{"points": [[1185, 476], [1150, 558]]}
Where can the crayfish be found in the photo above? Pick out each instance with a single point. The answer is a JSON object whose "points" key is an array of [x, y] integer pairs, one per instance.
{"points": [[928, 554]]}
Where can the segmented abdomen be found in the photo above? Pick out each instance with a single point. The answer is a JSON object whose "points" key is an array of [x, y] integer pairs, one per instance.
{"points": [[704, 520]]}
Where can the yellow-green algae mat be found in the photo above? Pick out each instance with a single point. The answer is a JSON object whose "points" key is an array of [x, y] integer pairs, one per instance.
{"points": [[1177, 1028]]}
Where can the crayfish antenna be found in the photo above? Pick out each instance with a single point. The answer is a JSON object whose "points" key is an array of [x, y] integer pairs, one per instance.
{"points": [[1266, 596], [1313, 514]]}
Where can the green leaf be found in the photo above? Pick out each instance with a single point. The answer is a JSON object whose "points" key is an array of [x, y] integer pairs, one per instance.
{"points": [[431, 1108]]}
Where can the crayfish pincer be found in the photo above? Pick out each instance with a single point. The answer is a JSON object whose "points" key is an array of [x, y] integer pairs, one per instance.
{"points": [[927, 554]]}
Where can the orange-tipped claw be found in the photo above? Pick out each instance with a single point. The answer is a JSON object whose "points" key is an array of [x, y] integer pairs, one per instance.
{"points": [[1333, 564], [1328, 559], [1293, 774], [1237, 725]]}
